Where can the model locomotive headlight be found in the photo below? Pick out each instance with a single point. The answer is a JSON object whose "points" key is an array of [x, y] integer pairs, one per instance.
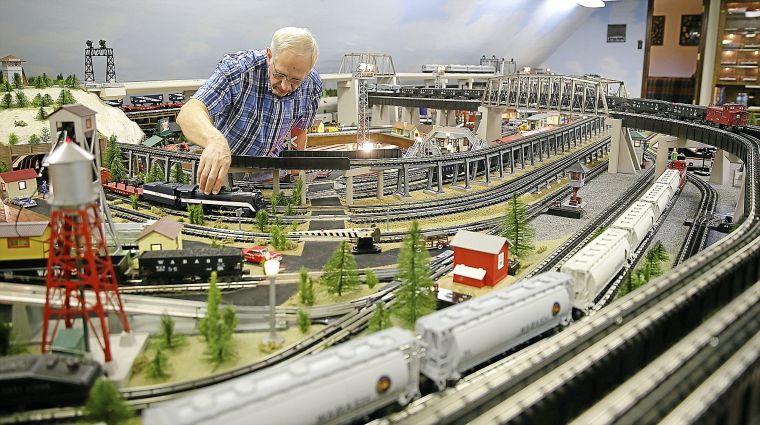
{"points": [[383, 384]]}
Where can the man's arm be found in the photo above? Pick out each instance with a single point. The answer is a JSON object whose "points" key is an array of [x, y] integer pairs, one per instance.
{"points": [[215, 160]]}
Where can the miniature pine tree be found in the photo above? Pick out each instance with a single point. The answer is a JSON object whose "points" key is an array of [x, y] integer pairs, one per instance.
{"points": [[133, 201], [18, 83], [653, 261], [340, 273], [303, 321], [37, 101], [47, 100], [158, 365], [208, 323], [118, 169], [21, 99], [7, 101], [305, 288], [515, 227], [12, 139], [381, 318], [169, 339], [39, 83], [220, 347], [289, 209], [3, 167], [295, 195], [370, 278], [47, 82], [34, 139], [415, 297], [110, 149], [178, 176], [105, 404], [262, 219], [7, 87], [156, 173], [277, 237], [44, 135], [41, 115]]}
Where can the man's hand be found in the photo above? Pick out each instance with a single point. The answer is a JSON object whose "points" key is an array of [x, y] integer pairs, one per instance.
{"points": [[213, 167]]}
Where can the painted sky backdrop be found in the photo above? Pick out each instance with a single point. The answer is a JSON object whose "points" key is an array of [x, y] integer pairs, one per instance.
{"points": [[172, 39]]}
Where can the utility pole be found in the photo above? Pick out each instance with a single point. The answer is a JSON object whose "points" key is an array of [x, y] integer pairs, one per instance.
{"points": [[364, 73]]}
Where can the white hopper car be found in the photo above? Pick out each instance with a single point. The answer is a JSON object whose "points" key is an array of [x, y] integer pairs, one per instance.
{"points": [[658, 195], [595, 265], [672, 178], [637, 220], [464, 335], [335, 385]]}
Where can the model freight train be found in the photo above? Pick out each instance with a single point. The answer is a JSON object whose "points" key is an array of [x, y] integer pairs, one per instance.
{"points": [[728, 115], [386, 366], [426, 92], [182, 265]]}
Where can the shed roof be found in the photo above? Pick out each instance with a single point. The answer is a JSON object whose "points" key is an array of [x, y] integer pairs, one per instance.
{"points": [[165, 226], [478, 242], [577, 167], [77, 109], [23, 229], [152, 141], [18, 175]]}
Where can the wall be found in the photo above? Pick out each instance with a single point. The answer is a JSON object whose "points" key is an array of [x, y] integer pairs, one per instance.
{"points": [[586, 50], [672, 59]]}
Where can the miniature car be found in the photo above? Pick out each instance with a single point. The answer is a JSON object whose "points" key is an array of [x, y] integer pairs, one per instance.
{"points": [[259, 254], [24, 202]]}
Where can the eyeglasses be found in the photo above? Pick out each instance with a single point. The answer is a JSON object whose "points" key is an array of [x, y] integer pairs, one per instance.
{"points": [[282, 77]]}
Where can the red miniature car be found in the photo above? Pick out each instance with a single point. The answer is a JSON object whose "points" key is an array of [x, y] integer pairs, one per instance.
{"points": [[259, 254]]}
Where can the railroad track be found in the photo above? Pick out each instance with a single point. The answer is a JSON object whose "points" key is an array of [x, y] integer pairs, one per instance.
{"points": [[591, 358], [700, 227]]}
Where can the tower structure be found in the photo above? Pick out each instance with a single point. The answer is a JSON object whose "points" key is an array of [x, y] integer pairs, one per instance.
{"points": [[89, 52], [363, 74], [80, 277]]}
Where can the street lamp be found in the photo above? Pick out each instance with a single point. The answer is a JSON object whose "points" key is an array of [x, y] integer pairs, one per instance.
{"points": [[271, 268]]}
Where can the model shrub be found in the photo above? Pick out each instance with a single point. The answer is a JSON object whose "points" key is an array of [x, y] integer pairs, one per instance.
{"points": [[303, 321]]}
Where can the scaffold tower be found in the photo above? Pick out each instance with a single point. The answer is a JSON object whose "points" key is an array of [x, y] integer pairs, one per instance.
{"points": [[363, 73], [89, 52]]}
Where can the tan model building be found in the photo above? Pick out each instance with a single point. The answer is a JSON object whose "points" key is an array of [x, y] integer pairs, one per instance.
{"points": [[164, 234], [18, 184]]}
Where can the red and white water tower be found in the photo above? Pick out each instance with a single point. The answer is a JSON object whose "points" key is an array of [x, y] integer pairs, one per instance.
{"points": [[81, 282]]}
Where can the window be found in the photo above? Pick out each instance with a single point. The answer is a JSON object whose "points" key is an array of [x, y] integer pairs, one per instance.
{"points": [[501, 260], [22, 185], [3, 187], [18, 242], [155, 247]]}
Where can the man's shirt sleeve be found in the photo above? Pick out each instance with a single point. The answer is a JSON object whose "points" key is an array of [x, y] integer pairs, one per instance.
{"points": [[312, 105], [218, 92]]}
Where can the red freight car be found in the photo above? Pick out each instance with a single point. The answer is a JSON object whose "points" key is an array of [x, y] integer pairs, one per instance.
{"points": [[727, 115]]}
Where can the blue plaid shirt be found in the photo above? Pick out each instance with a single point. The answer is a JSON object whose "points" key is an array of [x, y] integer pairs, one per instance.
{"points": [[244, 109]]}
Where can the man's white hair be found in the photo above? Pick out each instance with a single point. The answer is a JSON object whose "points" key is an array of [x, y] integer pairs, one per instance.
{"points": [[296, 40]]}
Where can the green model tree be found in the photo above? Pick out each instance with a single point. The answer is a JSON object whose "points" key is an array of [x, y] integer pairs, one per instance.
{"points": [[340, 274], [44, 135], [305, 287], [262, 219], [21, 100], [109, 151], [169, 338], [105, 404], [277, 237], [72, 82], [515, 227], [7, 87], [47, 100], [208, 324], [34, 139], [3, 167], [370, 278], [7, 101], [118, 169], [415, 297], [220, 347], [178, 176], [381, 318], [12, 139], [156, 173], [631, 281], [38, 83], [653, 261], [18, 83], [303, 321], [295, 195], [41, 115], [37, 101], [158, 367], [289, 209], [133, 201], [195, 214], [66, 98]]}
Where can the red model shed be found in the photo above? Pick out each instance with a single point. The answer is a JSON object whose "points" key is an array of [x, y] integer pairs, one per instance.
{"points": [[479, 259]]}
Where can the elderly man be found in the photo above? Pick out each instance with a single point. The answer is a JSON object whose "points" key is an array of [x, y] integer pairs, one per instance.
{"points": [[252, 103]]}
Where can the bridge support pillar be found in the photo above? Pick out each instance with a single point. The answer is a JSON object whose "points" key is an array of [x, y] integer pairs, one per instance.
{"points": [[275, 183], [721, 168], [410, 115], [348, 101], [739, 210], [622, 155], [27, 321], [349, 190], [490, 122], [380, 184], [384, 114], [305, 189]]}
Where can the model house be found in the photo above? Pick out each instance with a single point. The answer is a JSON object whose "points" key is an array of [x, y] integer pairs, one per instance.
{"points": [[479, 259]]}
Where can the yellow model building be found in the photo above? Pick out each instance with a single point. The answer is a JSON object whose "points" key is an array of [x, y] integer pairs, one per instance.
{"points": [[164, 234], [24, 240]]}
